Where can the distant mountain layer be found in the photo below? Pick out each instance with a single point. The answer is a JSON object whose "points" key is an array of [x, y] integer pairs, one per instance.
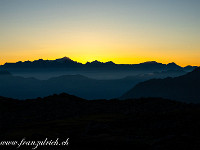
{"points": [[66, 62], [88, 88], [185, 88], [24, 88]]}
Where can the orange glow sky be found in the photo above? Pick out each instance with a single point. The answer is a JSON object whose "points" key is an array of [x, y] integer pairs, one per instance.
{"points": [[126, 31]]}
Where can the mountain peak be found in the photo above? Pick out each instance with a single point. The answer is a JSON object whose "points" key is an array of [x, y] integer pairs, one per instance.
{"points": [[96, 62], [64, 59], [150, 62], [172, 64]]}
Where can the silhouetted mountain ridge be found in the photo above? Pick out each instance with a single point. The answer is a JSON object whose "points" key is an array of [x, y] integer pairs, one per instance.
{"points": [[184, 88], [89, 88], [148, 123], [195, 73], [66, 62]]}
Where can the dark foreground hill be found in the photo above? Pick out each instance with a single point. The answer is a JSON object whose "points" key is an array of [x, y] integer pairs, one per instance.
{"points": [[185, 88], [101, 124]]}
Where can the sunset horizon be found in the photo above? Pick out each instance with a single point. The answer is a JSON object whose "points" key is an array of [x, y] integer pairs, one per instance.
{"points": [[100, 74], [89, 61], [125, 32]]}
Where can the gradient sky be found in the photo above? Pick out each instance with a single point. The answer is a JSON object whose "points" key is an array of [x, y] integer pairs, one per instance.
{"points": [[123, 31]]}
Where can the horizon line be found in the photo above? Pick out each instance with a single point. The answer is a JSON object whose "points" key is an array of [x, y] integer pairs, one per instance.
{"points": [[152, 61]]}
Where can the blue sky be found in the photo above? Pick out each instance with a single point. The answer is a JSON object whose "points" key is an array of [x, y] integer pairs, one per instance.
{"points": [[124, 31]]}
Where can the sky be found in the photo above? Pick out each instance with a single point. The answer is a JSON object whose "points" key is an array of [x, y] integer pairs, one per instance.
{"points": [[122, 31]]}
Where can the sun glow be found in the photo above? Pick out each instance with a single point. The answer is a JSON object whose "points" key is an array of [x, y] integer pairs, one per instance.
{"points": [[123, 32]]}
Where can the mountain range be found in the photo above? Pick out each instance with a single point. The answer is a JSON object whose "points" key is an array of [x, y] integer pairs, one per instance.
{"points": [[25, 88], [157, 113], [66, 62], [185, 88]]}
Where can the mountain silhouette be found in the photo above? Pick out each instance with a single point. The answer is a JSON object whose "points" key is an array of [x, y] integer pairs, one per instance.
{"points": [[46, 69], [24, 88], [184, 88], [82, 86], [173, 66], [66, 62], [148, 123]]}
